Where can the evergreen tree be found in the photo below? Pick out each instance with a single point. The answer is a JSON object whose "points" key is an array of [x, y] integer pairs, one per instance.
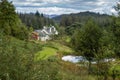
{"points": [[70, 30], [37, 14], [9, 20], [68, 19], [36, 20], [7, 16]]}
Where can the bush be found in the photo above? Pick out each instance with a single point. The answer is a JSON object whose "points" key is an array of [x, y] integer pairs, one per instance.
{"points": [[115, 71], [17, 58]]}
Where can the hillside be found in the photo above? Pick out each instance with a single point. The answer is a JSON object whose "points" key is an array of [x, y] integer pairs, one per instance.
{"points": [[82, 17], [36, 20]]}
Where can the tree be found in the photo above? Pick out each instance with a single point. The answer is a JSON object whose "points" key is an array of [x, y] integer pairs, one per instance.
{"points": [[72, 28], [94, 43], [106, 51], [66, 20], [9, 20], [116, 30], [87, 40], [37, 21], [117, 8], [37, 14], [7, 16], [116, 33]]}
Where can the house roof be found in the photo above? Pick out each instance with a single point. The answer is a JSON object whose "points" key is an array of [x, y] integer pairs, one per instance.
{"points": [[46, 31]]}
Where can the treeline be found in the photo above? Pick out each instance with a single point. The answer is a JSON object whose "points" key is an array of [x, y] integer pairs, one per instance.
{"points": [[36, 20], [83, 17]]}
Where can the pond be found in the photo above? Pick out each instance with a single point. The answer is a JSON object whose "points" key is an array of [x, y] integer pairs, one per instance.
{"points": [[73, 59], [76, 59]]}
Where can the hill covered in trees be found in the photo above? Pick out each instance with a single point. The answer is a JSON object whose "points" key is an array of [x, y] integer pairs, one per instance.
{"points": [[83, 17], [36, 20]]}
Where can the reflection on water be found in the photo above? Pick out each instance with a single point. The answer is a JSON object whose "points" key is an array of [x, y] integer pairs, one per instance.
{"points": [[73, 59], [76, 59]]}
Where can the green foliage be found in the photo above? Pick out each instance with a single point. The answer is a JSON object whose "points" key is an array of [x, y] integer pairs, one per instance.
{"points": [[10, 22], [70, 30], [68, 19], [46, 70], [16, 58], [87, 39], [37, 14], [36, 20], [116, 33], [96, 43], [117, 8], [115, 70]]}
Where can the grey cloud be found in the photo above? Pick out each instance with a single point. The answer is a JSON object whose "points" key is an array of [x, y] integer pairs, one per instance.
{"points": [[73, 5]]}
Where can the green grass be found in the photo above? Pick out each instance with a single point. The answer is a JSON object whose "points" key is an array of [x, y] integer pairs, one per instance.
{"points": [[68, 39], [51, 48], [45, 53], [20, 45], [63, 48]]}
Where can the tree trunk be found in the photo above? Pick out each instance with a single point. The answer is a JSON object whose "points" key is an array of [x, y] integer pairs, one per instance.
{"points": [[89, 67], [113, 76], [105, 77]]}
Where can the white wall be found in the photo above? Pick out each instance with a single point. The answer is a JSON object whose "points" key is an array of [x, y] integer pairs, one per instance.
{"points": [[45, 38]]}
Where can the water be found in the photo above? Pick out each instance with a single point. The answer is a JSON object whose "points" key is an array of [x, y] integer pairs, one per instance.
{"points": [[76, 59], [73, 59]]}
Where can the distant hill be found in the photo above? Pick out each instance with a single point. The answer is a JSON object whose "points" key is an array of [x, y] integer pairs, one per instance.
{"points": [[50, 16], [82, 17]]}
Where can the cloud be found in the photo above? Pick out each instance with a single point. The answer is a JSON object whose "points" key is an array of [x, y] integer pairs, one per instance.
{"points": [[46, 10], [65, 6]]}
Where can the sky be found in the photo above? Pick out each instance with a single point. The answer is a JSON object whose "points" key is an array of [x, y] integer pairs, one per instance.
{"points": [[58, 7]]}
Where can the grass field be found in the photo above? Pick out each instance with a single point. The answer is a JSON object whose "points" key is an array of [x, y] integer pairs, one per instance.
{"points": [[52, 48], [45, 53]]}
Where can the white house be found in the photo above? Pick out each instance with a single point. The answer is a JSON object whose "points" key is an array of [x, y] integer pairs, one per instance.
{"points": [[46, 32]]}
